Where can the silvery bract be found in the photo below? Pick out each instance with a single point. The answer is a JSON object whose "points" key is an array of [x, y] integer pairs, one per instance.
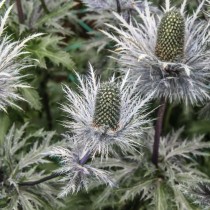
{"points": [[11, 65], [104, 115], [182, 74], [75, 175]]}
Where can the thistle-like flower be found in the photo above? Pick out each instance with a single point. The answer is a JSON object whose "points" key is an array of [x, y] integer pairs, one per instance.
{"points": [[11, 65], [105, 114], [76, 174], [168, 51]]}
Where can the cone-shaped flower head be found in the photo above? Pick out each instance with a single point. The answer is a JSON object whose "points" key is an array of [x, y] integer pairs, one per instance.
{"points": [[107, 107], [11, 65], [170, 37], [168, 51], [105, 114]]}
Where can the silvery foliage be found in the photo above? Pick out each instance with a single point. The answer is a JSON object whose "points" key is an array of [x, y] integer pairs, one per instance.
{"points": [[110, 5], [200, 194], [178, 81], [101, 140], [11, 65], [103, 14], [20, 154], [167, 187], [77, 176], [125, 7]]}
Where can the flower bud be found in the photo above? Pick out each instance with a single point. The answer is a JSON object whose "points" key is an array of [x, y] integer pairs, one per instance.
{"points": [[170, 38], [107, 107]]}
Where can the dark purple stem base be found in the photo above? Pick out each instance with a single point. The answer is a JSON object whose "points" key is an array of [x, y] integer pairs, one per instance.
{"points": [[32, 183], [20, 11], [158, 131]]}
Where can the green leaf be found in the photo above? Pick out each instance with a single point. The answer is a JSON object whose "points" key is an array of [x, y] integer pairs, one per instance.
{"points": [[48, 47], [3, 202], [161, 197], [5, 122], [32, 96], [64, 9], [181, 200]]}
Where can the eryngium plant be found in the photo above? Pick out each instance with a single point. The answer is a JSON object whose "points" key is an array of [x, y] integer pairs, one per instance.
{"points": [[20, 155], [104, 115], [176, 184], [168, 51]]}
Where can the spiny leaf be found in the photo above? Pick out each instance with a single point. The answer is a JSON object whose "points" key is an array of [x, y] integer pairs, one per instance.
{"points": [[32, 97], [161, 201], [48, 47], [57, 12]]}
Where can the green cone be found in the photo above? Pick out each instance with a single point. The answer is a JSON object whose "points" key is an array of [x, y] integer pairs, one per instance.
{"points": [[107, 107], [170, 40]]}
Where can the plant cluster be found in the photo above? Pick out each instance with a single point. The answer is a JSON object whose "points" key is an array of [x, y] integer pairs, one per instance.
{"points": [[105, 152]]}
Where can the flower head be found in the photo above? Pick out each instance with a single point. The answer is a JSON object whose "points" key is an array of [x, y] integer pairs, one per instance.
{"points": [[168, 51], [170, 37], [11, 65], [105, 114]]}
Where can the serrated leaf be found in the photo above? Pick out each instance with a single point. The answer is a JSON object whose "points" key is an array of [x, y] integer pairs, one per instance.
{"points": [[48, 47], [56, 13], [5, 122], [32, 96], [181, 200], [3, 202], [161, 198]]}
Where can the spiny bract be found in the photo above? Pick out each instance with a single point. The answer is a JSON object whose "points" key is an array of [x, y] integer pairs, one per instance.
{"points": [[106, 115], [168, 51], [170, 39], [107, 108]]}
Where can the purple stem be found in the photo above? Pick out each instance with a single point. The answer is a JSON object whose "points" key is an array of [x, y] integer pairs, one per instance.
{"points": [[158, 131], [118, 6], [85, 158], [20, 11], [32, 183]]}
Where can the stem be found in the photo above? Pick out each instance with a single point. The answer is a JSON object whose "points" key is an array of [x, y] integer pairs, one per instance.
{"points": [[1, 175], [44, 6], [118, 6], [45, 99], [158, 131], [85, 158], [52, 176], [32, 183], [20, 11]]}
